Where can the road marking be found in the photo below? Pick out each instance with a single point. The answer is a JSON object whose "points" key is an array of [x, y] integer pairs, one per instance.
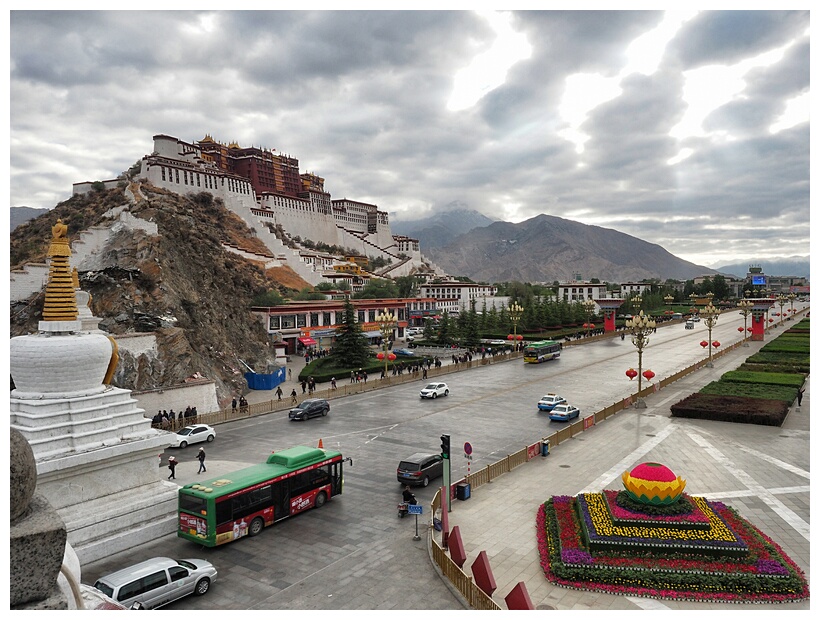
{"points": [[785, 513], [628, 461]]}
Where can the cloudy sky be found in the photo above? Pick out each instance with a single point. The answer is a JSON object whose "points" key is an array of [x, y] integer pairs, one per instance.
{"points": [[685, 129]]}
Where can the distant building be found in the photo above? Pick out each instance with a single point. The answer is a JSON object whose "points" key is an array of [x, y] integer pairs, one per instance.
{"points": [[580, 291], [451, 294], [630, 289]]}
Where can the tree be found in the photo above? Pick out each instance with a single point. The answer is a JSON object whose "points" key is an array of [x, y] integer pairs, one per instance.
{"points": [[471, 334], [378, 288], [268, 299], [351, 348], [444, 330], [408, 286], [721, 288], [308, 293]]}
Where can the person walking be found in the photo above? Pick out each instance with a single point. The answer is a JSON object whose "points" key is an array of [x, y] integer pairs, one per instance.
{"points": [[172, 465], [800, 395], [201, 457], [233, 405], [278, 392], [333, 383], [293, 399]]}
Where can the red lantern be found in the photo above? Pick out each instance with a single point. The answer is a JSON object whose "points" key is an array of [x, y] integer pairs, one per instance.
{"points": [[648, 374], [592, 325], [771, 320], [391, 356], [509, 336], [631, 373], [585, 325], [380, 355], [704, 344], [748, 329], [519, 337], [740, 329], [715, 344]]}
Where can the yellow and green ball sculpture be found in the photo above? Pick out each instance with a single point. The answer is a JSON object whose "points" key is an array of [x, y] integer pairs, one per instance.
{"points": [[654, 484]]}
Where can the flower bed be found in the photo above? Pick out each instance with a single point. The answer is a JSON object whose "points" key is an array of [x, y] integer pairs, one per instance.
{"points": [[624, 511], [765, 575]]}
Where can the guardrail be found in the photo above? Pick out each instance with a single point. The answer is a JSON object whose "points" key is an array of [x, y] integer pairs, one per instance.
{"points": [[476, 597]]}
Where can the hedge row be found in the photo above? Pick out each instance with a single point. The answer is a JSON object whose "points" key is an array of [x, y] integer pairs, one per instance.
{"points": [[761, 390]]}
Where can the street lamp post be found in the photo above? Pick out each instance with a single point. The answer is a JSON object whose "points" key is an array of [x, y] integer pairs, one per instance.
{"points": [[386, 320], [516, 310], [745, 306], [589, 307], [781, 301], [791, 297], [710, 316], [640, 327]]}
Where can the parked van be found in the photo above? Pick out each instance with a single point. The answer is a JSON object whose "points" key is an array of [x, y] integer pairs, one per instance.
{"points": [[157, 582], [690, 324]]}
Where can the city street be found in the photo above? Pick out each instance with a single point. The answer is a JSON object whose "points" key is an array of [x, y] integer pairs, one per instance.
{"points": [[354, 553]]}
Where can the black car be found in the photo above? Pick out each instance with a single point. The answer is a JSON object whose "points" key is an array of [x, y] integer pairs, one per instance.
{"points": [[310, 408], [420, 469]]}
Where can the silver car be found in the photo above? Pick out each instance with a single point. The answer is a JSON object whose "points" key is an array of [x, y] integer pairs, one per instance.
{"points": [[157, 582]]}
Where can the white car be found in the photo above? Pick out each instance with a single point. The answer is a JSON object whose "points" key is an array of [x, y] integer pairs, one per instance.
{"points": [[434, 390], [549, 401], [195, 433]]}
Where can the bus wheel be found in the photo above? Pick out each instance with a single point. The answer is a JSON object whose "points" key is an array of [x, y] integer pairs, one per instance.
{"points": [[202, 586], [321, 498], [256, 526]]}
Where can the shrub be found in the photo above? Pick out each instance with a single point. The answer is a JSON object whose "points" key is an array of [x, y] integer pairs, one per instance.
{"points": [[750, 390], [768, 378]]}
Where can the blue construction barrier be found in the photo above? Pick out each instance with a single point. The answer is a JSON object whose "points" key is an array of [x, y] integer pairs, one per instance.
{"points": [[259, 381]]}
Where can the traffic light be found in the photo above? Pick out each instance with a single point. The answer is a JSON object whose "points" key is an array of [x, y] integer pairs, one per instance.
{"points": [[445, 446]]}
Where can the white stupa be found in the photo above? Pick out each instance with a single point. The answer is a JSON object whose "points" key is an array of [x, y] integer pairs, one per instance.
{"points": [[96, 453]]}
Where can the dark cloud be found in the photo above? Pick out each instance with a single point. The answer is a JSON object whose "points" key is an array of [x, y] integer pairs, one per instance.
{"points": [[360, 98]]}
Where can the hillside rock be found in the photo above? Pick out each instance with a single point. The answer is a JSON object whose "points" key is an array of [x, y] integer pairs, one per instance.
{"points": [[179, 284]]}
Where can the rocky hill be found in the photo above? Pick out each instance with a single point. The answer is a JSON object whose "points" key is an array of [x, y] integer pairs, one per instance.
{"points": [[547, 248], [440, 229], [180, 284]]}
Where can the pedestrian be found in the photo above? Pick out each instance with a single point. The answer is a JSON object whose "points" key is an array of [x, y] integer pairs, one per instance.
{"points": [[172, 465], [333, 383], [201, 457], [290, 374], [304, 386], [800, 395], [233, 405], [278, 392], [293, 399]]}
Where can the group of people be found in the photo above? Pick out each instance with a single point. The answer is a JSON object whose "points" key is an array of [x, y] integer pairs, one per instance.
{"points": [[172, 464], [357, 376], [312, 354], [242, 404], [167, 420]]}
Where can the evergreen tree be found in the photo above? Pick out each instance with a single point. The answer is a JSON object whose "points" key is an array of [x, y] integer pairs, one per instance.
{"points": [[471, 337], [444, 330], [429, 330], [350, 350]]}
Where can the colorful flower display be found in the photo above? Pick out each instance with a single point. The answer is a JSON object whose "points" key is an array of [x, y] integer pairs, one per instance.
{"points": [[653, 483], [662, 555]]}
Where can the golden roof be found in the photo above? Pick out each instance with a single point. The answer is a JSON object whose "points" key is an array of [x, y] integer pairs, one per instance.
{"points": [[60, 303]]}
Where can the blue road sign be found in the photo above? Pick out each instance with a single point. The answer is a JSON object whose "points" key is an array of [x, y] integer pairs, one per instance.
{"points": [[414, 509]]}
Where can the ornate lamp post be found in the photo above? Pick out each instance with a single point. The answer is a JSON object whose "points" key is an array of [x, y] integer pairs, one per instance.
{"points": [[386, 320], [745, 306], [791, 297], [710, 316], [640, 327], [781, 301], [589, 307], [516, 310]]}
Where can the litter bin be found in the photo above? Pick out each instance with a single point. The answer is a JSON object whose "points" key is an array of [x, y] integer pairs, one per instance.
{"points": [[545, 447], [463, 490]]}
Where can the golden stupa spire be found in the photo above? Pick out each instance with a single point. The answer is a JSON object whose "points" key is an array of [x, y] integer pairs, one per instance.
{"points": [[61, 303]]}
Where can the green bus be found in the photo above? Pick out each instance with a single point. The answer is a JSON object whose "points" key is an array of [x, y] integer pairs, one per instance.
{"points": [[542, 351], [218, 511]]}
